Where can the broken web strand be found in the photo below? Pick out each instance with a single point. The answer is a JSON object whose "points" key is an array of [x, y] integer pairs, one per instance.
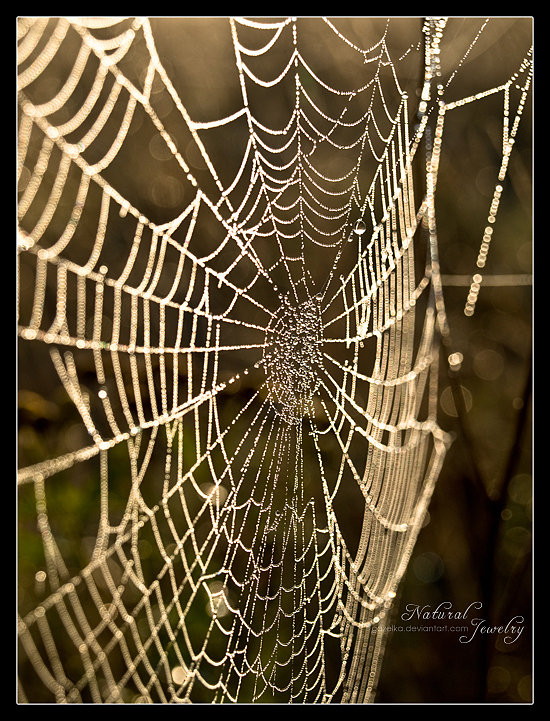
{"points": [[521, 80], [508, 138], [348, 602]]}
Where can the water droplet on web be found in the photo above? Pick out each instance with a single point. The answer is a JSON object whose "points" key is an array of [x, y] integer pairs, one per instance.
{"points": [[360, 227]]}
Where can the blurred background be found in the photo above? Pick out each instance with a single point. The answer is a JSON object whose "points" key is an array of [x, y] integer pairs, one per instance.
{"points": [[477, 540]]}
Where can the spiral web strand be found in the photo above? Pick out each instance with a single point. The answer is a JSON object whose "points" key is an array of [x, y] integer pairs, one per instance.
{"points": [[250, 361]]}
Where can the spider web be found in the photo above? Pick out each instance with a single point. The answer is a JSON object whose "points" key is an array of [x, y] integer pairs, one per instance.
{"points": [[247, 353]]}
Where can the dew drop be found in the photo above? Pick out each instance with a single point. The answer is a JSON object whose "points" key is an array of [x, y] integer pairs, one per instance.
{"points": [[360, 227]]}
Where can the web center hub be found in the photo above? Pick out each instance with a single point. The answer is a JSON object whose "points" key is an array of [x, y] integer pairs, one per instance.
{"points": [[293, 358]]}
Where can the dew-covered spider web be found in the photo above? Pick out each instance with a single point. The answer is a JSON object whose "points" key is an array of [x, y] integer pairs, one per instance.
{"points": [[230, 307]]}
